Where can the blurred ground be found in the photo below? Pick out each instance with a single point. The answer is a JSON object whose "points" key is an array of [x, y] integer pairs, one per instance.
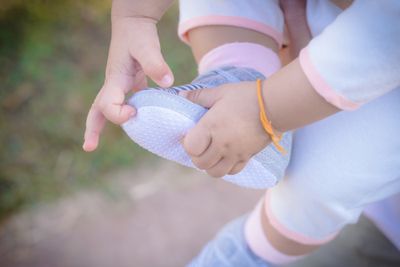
{"points": [[160, 217]]}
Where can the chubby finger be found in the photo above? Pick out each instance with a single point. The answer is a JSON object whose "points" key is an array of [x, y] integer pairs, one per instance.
{"points": [[94, 124], [118, 113], [203, 97], [147, 51], [197, 140], [140, 81], [238, 167], [125, 83], [156, 68], [122, 70], [209, 158], [221, 168], [112, 105]]}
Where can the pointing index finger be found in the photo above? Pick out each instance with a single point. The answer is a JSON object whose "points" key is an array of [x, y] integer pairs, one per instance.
{"points": [[94, 125]]}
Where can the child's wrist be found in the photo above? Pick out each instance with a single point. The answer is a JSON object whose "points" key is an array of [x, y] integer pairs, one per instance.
{"points": [[149, 10], [266, 123], [291, 100]]}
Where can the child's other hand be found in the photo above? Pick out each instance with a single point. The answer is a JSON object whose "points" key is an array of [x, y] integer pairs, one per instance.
{"points": [[230, 133], [134, 53]]}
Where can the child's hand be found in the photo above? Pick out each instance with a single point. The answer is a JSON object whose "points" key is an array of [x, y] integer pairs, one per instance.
{"points": [[230, 133], [134, 53]]}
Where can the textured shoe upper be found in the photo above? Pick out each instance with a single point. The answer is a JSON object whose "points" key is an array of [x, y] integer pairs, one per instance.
{"points": [[164, 117]]}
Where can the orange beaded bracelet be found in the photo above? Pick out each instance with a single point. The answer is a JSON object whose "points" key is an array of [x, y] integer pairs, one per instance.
{"points": [[266, 123]]}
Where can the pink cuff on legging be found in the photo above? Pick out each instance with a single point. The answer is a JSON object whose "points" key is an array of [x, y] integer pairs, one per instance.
{"points": [[258, 242], [248, 55], [186, 26], [289, 233]]}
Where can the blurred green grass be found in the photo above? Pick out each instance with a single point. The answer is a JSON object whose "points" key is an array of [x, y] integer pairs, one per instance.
{"points": [[52, 60]]}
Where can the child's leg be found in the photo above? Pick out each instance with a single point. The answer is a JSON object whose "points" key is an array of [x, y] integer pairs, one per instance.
{"points": [[253, 45], [233, 46], [230, 248], [204, 39], [333, 177], [338, 167]]}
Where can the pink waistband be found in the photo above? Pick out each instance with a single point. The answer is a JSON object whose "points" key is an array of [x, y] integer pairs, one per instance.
{"points": [[248, 55]]}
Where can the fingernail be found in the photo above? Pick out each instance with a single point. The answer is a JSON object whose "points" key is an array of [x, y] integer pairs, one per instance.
{"points": [[166, 80]]}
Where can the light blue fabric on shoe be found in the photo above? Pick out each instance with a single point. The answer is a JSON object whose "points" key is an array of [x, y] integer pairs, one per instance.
{"points": [[229, 249], [163, 118]]}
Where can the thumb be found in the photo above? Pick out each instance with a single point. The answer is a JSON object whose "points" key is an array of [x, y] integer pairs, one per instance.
{"points": [[156, 68], [204, 97], [147, 51]]}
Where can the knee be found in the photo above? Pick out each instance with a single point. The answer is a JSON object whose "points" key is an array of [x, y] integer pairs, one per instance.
{"points": [[309, 215]]}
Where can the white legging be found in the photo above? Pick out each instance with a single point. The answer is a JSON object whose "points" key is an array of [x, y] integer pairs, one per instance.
{"points": [[339, 166]]}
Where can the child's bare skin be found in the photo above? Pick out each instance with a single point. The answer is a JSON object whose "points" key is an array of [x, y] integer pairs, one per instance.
{"points": [[231, 127], [230, 133], [134, 54], [220, 34]]}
